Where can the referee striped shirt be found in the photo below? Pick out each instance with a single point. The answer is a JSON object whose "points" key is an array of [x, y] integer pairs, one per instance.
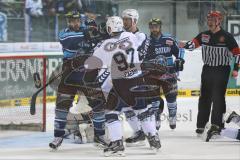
{"points": [[218, 49]]}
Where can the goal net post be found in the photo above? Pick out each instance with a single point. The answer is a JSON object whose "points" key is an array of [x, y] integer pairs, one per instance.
{"points": [[17, 87]]}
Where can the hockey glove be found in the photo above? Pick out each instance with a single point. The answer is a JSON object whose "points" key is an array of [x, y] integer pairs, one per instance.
{"points": [[179, 64], [153, 67], [189, 45]]}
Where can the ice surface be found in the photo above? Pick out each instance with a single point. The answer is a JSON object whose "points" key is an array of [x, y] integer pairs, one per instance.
{"points": [[181, 143]]}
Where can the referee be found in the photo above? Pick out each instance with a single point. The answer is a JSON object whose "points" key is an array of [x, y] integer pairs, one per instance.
{"points": [[218, 49]]}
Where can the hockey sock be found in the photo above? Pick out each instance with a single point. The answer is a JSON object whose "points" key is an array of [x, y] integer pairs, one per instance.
{"points": [[114, 126], [147, 119], [60, 122], [172, 109], [99, 123], [132, 119]]}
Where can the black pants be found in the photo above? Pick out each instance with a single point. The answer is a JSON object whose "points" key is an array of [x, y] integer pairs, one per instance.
{"points": [[213, 88]]}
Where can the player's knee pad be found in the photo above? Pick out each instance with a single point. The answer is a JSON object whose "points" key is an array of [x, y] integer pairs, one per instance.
{"points": [[111, 117], [64, 101], [99, 122], [170, 98], [144, 114]]}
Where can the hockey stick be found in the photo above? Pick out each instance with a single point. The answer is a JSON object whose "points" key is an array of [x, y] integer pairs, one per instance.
{"points": [[74, 64], [34, 96]]}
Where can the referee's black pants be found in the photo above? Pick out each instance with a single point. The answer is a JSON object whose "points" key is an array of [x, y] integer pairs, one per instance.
{"points": [[214, 82]]}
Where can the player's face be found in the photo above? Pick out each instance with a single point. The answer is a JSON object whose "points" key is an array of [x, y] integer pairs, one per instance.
{"points": [[211, 22], [127, 23], [155, 30], [74, 23]]}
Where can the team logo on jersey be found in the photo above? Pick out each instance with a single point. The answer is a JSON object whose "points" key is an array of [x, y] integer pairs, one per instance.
{"points": [[162, 50], [123, 44], [205, 38], [110, 46], [222, 39], [169, 42]]}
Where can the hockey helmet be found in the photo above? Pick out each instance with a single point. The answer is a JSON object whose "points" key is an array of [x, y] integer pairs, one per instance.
{"points": [[73, 14], [155, 21], [114, 24], [131, 13], [217, 15]]}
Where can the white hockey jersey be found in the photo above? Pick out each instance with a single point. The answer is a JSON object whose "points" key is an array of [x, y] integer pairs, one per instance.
{"points": [[140, 37], [118, 56]]}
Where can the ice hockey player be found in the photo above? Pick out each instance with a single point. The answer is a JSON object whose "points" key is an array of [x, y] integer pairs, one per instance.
{"points": [[75, 42], [119, 55], [162, 48], [130, 19]]}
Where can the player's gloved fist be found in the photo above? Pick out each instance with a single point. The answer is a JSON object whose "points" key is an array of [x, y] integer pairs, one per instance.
{"points": [[179, 64], [189, 45], [102, 28]]}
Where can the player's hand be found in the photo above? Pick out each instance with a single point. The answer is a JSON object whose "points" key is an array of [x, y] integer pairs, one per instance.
{"points": [[189, 45], [234, 74], [181, 44]]}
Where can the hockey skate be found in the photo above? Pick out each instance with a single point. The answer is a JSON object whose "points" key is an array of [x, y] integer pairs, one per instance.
{"points": [[231, 116], [56, 143], [212, 132], [99, 141], [138, 139], [172, 122], [154, 142], [115, 148]]}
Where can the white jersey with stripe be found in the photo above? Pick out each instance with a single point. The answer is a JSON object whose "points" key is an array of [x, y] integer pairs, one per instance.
{"points": [[117, 55], [140, 37]]}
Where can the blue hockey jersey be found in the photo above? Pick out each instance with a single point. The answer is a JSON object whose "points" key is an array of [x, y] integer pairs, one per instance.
{"points": [[74, 42]]}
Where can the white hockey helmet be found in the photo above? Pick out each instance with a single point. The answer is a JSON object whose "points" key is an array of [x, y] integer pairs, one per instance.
{"points": [[131, 13], [115, 24]]}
